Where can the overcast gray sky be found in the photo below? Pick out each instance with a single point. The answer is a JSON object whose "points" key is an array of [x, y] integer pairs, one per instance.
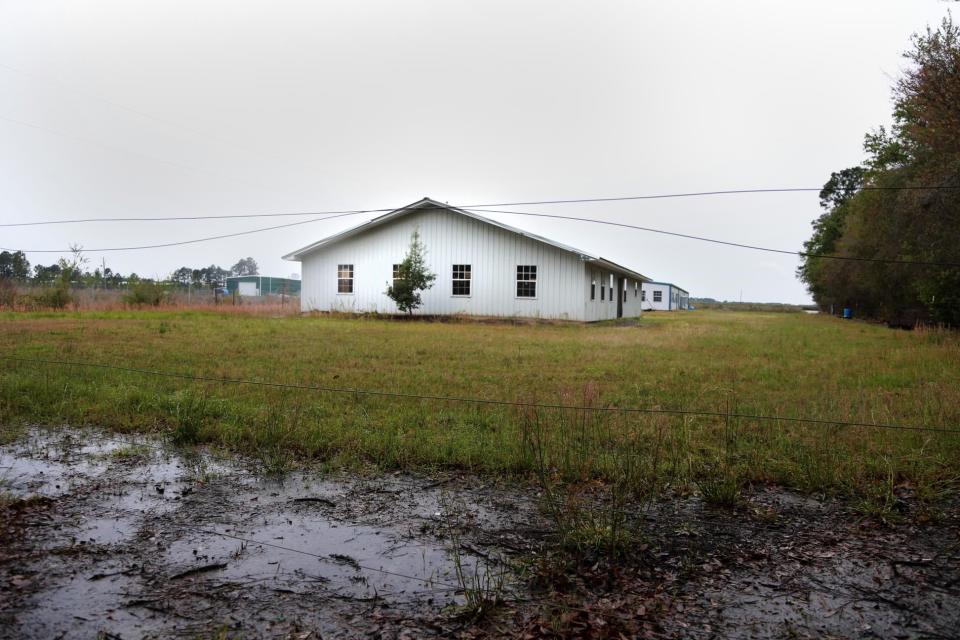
{"points": [[126, 108]]}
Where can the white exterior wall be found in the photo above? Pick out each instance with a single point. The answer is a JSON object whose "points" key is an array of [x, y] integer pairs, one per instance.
{"points": [[606, 309], [671, 298], [664, 304], [633, 306], [563, 279]]}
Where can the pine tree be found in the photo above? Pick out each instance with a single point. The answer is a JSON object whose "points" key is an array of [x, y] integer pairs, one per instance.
{"points": [[412, 277]]}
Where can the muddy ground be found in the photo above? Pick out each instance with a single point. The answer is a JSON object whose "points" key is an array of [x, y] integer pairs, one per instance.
{"points": [[123, 537]]}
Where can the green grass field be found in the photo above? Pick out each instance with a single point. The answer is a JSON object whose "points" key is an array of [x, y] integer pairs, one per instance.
{"points": [[777, 364]]}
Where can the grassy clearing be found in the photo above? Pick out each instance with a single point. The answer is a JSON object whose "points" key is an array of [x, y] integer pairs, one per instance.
{"points": [[765, 363]]}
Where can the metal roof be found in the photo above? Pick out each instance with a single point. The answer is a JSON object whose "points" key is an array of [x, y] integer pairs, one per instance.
{"points": [[668, 284], [427, 203]]}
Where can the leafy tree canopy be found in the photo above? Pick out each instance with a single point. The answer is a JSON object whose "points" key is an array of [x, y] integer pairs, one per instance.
{"points": [[245, 267], [913, 212], [413, 276]]}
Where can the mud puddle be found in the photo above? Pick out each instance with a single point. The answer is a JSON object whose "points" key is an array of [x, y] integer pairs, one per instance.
{"points": [[122, 537], [132, 539], [788, 566]]}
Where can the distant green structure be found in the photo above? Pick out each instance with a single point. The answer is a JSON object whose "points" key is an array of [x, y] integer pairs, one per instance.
{"points": [[262, 286]]}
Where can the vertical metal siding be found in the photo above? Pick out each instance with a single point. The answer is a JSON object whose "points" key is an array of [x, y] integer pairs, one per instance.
{"points": [[664, 304], [450, 238]]}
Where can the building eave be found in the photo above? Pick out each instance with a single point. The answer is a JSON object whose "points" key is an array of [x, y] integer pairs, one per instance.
{"points": [[427, 203], [668, 284]]}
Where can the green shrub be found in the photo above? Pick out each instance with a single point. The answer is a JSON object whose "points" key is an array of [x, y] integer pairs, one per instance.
{"points": [[8, 292], [55, 297], [146, 292]]}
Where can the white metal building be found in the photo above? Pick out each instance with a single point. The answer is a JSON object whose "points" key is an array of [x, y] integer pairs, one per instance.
{"points": [[664, 296], [483, 268], [262, 286]]}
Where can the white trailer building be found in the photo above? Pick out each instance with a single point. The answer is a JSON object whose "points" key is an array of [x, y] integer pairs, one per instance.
{"points": [[483, 268], [664, 296]]}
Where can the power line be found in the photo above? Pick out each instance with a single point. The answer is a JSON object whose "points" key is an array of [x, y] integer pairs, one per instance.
{"points": [[801, 254], [724, 192], [479, 401], [659, 196], [200, 217], [194, 241], [516, 213]]}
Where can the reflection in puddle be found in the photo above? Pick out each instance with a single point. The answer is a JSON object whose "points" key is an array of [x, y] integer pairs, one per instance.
{"points": [[142, 527]]}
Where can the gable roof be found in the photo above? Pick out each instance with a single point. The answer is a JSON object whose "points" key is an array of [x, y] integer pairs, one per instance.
{"points": [[427, 203]]}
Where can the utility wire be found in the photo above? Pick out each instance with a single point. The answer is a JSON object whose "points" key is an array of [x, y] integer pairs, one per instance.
{"points": [[696, 194], [659, 196], [479, 401], [194, 241], [801, 254], [173, 218], [516, 213]]}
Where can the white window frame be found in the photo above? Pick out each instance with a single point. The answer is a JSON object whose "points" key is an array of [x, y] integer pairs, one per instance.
{"points": [[346, 268], [467, 276], [534, 273], [658, 296], [395, 272]]}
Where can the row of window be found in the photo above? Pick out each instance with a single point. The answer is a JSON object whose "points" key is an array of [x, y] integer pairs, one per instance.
{"points": [[462, 275], [603, 289]]}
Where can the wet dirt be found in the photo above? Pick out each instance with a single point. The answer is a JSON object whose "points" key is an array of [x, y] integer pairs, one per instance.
{"points": [[120, 536], [789, 566]]}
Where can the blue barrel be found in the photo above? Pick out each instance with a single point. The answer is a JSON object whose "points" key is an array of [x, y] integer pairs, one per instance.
{"points": [[847, 313]]}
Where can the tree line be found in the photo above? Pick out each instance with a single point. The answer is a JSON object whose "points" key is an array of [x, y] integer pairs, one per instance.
{"points": [[53, 285], [74, 271], [902, 205]]}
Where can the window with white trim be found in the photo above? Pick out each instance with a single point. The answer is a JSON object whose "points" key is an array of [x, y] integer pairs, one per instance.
{"points": [[643, 295], [396, 274], [636, 287], [612, 287], [526, 281], [344, 278], [593, 289], [461, 279], [658, 296]]}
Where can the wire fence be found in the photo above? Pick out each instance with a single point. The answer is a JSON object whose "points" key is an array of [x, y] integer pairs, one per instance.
{"points": [[439, 585], [483, 401]]}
